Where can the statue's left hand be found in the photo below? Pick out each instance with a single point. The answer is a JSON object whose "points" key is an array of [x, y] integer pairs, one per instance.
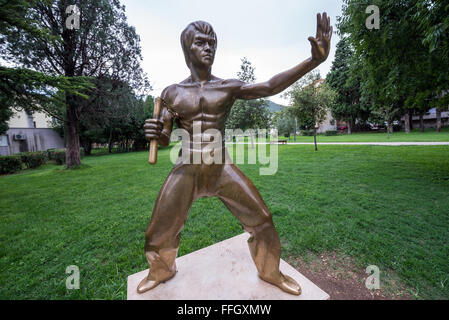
{"points": [[322, 42]]}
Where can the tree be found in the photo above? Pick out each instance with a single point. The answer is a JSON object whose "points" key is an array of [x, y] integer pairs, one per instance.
{"points": [[149, 107], [104, 46], [398, 69], [251, 114], [22, 88], [432, 18], [345, 81], [284, 123], [114, 118], [128, 130], [107, 108], [5, 115], [115, 114], [310, 101]]}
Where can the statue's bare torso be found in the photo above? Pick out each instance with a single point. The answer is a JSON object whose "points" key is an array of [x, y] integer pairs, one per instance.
{"points": [[208, 103]]}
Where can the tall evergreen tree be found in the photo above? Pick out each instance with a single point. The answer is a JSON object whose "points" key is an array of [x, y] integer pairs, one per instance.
{"points": [[22, 88], [344, 80], [250, 114], [104, 46]]}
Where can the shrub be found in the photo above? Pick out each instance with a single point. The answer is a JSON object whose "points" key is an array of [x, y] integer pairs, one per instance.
{"points": [[331, 133], [10, 164], [307, 133], [50, 154], [58, 155], [361, 127], [33, 159]]}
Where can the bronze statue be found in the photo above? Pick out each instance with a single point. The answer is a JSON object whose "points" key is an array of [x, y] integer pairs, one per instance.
{"points": [[205, 98]]}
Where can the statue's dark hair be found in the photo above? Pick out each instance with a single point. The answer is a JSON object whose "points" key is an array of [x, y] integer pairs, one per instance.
{"points": [[188, 34]]}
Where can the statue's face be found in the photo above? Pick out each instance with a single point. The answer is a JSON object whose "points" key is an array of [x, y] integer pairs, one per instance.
{"points": [[202, 51]]}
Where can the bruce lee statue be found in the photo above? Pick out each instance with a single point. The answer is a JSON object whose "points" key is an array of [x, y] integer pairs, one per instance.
{"points": [[206, 99]]}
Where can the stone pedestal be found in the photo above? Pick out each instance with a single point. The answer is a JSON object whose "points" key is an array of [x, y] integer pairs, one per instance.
{"points": [[224, 271]]}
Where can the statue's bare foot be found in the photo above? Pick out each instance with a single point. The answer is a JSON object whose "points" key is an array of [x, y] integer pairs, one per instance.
{"points": [[148, 283], [285, 283]]}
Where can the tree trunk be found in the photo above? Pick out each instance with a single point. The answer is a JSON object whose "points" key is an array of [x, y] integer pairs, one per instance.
{"points": [[349, 127], [438, 111], [407, 122], [314, 139], [72, 156], [87, 145], [390, 127], [410, 114], [421, 121], [252, 139], [110, 141], [295, 130]]}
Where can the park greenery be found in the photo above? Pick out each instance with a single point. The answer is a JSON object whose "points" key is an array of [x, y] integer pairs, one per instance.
{"points": [[90, 81], [347, 105], [399, 69], [378, 205], [22, 88], [383, 206], [310, 101], [64, 71], [31, 160], [285, 124], [392, 73], [248, 114]]}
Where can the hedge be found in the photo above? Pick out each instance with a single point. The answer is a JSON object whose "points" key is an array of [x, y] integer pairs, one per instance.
{"points": [[331, 133], [58, 155], [14, 163], [10, 164], [307, 133], [33, 159]]}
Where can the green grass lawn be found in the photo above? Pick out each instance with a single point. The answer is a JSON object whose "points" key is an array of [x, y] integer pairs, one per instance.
{"points": [[415, 136], [381, 206]]}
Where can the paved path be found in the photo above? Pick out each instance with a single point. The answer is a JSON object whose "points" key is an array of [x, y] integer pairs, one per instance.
{"points": [[394, 144]]}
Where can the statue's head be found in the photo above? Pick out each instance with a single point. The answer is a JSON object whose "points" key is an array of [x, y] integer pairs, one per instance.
{"points": [[199, 43]]}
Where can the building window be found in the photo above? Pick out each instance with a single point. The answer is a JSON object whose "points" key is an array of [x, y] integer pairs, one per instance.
{"points": [[3, 141], [29, 120]]}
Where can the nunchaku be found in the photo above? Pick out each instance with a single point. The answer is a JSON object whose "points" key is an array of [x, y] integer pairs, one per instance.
{"points": [[152, 159]]}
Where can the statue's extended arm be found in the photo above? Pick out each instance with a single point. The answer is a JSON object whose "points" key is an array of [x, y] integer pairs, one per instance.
{"points": [[277, 84]]}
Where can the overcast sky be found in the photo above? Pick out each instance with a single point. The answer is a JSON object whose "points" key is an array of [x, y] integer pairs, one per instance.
{"points": [[272, 34]]}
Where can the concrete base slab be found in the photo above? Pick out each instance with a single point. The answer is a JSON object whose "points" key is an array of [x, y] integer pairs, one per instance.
{"points": [[223, 271]]}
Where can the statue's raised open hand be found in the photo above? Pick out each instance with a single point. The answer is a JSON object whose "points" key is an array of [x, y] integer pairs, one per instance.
{"points": [[322, 42]]}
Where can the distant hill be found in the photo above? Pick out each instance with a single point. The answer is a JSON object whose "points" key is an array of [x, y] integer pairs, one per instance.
{"points": [[274, 107]]}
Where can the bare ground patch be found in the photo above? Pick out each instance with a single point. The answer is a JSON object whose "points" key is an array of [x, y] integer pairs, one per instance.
{"points": [[339, 276]]}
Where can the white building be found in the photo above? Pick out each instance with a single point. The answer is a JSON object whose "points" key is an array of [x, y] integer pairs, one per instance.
{"points": [[430, 119], [29, 132], [329, 124]]}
